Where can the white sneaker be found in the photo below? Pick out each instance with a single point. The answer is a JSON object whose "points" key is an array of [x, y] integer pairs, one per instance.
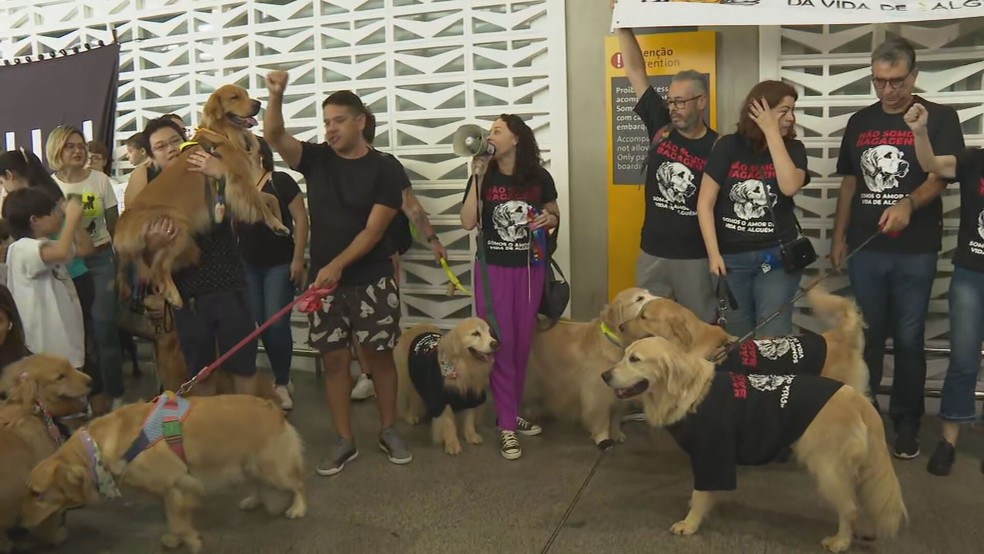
{"points": [[363, 388], [290, 386], [283, 394], [509, 445]]}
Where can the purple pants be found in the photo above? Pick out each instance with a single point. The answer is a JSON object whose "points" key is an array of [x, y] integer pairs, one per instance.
{"points": [[516, 294]]}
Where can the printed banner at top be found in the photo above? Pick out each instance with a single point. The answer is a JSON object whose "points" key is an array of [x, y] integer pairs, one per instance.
{"points": [[666, 13]]}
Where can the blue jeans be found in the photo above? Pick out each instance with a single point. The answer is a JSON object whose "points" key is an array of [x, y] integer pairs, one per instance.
{"points": [[966, 335], [893, 292], [105, 321], [760, 294], [270, 290]]}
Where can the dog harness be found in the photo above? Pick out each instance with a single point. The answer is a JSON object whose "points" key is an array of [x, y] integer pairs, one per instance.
{"points": [[747, 420], [429, 373], [164, 422], [802, 354], [102, 479]]}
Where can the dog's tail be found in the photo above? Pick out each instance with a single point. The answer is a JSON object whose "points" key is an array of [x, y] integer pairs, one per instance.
{"points": [[879, 490], [842, 313]]}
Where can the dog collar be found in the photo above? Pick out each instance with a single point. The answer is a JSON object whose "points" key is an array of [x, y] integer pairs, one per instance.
{"points": [[101, 478], [610, 334], [447, 369]]}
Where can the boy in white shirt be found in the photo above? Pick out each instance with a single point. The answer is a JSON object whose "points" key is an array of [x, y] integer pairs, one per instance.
{"points": [[37, 276]]}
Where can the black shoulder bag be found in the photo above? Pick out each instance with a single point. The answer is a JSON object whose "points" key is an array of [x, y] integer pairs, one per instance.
{"points": [[797, 254], [556, 289]]}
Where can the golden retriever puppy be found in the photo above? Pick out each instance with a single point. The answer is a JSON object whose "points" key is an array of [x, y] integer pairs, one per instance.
{"points": [[837, 353], [217, 452], [191, 201], [40, 389], [725, 419], [566, 360], [439, 377]]}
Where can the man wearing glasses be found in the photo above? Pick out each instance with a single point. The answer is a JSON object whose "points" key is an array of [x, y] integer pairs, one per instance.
{"points": [[885, 189], [673, 261]]}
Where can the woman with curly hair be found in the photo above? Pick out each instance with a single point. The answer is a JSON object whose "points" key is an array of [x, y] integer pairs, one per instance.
{"points": [[518, 205]]}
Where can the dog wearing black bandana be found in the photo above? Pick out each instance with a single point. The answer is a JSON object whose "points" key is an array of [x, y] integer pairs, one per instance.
{"points": [[440, 376]]}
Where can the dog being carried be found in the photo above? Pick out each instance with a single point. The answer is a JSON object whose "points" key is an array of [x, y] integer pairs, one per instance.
{"points": [[192, 201]]}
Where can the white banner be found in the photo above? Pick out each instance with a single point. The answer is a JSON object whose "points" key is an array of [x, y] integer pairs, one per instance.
{"points": [[672, 13]]}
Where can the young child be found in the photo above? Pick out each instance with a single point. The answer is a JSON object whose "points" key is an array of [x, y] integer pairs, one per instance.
{"points": [[37, 276]]}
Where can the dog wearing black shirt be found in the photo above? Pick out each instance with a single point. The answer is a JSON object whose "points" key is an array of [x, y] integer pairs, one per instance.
{"points": [[837, 353], [440, 376], [724, 420]]}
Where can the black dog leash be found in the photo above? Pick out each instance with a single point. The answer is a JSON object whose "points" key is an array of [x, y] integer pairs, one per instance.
{"points": [[577, 496], [728, 349]]}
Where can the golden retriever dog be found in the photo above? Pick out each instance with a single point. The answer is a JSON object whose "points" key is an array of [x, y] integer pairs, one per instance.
{"points": [[726, 419], [837, 353], [566, 360], [191, 201], [38, 387], [218, 452], [439, 377], [172, 370]]}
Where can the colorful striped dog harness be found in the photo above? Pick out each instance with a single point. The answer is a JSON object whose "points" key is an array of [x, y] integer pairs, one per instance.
{"points": [[164, 422]]}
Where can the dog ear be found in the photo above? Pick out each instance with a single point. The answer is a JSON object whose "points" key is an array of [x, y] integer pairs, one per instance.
{"points": [[608, 316], [213, 112], [672, 327], [80, 488], [26, 390]]}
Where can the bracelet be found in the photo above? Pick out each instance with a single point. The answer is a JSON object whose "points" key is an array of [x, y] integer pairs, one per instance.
{"points": [[432, 238]]}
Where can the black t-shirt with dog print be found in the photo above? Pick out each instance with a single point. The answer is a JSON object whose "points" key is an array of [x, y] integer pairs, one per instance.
{"points": [[428, 379], [341, 194], [748, 420], [802, 354], [674, 169], [970, 240], [879, 150], [747, 178], [506, 215]]}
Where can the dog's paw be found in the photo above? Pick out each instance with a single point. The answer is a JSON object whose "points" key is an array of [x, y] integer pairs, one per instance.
{"points": [[605, 444], [297, 510], [620, 437], [473, 438], [683, 528], [452, 447], [170, 540], [836, 543], [251, 502]]}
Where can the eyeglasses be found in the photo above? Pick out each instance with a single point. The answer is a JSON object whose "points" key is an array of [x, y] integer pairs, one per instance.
{"points": [[75, 146], [680, 104], [894, 83], [173, 143]]}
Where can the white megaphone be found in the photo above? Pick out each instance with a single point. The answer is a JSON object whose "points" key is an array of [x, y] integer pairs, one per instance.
{"points": [[471, 140]]}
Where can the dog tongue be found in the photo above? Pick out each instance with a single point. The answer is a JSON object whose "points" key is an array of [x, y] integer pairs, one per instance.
{"points": [[251, 122]]}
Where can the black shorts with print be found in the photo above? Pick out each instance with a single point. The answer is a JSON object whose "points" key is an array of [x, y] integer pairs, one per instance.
{"points": [[371, 312]]}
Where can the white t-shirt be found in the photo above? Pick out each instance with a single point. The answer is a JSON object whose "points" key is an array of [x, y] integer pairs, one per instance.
{"points": [[97, 197], [47, 302]]}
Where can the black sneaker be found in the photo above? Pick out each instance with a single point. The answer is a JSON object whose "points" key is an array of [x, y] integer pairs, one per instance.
{"points": [[906, 445], [528, 428], [509, 445], [941, 462]]}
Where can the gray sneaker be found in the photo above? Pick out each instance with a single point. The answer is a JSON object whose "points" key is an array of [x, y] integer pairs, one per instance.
{"points": [[394, 447], [342, 452]]}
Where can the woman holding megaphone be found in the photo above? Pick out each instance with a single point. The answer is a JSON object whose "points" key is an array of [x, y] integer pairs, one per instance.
{"points": [[512, 201]]}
